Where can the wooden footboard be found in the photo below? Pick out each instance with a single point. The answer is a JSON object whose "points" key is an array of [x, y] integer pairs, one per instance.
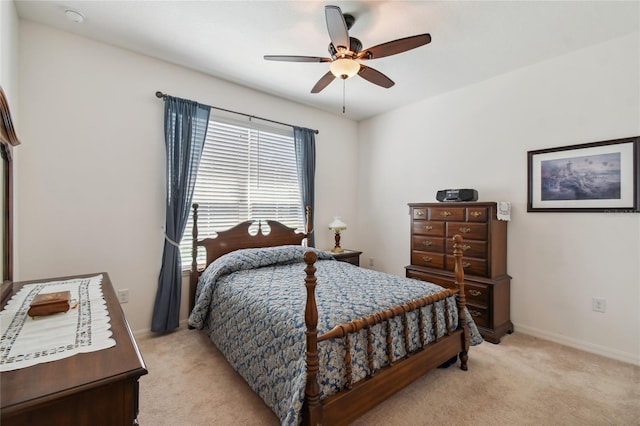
{"points": [[358, 398]]}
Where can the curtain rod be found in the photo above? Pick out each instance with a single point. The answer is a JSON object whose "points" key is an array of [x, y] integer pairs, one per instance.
{"points": [[161, 95]]}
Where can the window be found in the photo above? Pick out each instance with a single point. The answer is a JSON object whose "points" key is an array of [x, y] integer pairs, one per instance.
{"points": [[247, 172]]}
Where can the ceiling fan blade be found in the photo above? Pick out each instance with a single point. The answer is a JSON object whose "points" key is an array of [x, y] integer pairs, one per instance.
{"points": [[288, 58], [323, 82], [375, 77], [336, 26], [395, 46]]}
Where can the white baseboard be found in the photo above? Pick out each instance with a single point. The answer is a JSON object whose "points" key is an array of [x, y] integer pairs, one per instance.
{"points": [[579, 344]]}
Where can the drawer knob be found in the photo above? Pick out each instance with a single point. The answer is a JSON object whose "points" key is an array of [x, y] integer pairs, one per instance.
{"points": [[445, 213], [427, 243], [465, 230], [476, 213], [465, 264], [475, 313], [427, 258], [465, 247], [419, 213], [428, 227], [475, 292]]}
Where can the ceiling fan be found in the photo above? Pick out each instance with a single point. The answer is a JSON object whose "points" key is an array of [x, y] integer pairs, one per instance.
{"points": [[346, 51]]}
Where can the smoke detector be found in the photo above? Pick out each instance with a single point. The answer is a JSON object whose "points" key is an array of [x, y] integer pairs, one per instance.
{"points": [[74, 16]]}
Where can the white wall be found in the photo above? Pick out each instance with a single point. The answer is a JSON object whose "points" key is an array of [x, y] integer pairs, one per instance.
{"points": [[9, 52], [91, 170], [478, 137], [91, 173]]}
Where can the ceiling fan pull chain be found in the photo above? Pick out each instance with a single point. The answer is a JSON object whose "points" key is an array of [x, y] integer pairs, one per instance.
{"points": [[344, 85]]}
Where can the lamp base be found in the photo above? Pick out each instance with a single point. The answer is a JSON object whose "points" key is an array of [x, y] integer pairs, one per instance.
{"points": [[337, 248]]}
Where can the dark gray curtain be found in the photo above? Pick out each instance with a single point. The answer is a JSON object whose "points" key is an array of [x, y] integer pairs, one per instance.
{"points": [[185, 128], [305, 141]]}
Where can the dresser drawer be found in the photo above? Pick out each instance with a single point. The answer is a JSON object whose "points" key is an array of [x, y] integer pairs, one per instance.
{"points": [[443, 282], [479, 314], [474, 293], [470, 248], [446, 213], [468, 231], [433, 244], [420, 213], [477, 293], [476, 214], [471, 266], [424, 258], [421, 227]]}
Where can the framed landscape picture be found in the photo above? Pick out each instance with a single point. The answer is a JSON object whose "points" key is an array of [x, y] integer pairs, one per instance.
{"points": [[592, 177]]}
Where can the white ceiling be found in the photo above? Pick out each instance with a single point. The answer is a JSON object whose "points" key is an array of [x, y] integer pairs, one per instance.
{"points": [[471, 40]]}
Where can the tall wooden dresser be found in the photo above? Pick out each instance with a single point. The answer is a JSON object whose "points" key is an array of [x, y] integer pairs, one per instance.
{"points": [[484, 258]]}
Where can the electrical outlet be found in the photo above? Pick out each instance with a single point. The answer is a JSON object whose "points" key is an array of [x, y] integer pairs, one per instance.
{"points": [[599, 304], [371, 262], [123, 295]]}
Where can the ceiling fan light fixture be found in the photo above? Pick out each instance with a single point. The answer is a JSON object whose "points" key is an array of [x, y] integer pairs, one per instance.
{"points": [[344, 68]]}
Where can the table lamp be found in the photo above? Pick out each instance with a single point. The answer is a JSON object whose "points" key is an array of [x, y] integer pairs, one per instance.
{"points": [[337, 226]]}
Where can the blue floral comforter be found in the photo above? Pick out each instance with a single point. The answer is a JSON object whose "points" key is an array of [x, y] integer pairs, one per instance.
{"points": [[251, 303]]}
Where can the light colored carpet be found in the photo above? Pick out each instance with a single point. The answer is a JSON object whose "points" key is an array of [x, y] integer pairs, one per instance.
{"points": [[521, 381]]}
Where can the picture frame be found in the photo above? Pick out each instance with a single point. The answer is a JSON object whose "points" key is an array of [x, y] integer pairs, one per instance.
{"points": [[591, 177]]}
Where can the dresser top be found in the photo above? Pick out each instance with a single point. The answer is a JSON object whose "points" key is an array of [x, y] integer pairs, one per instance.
{"points": [[22, 388], [456, 204]]}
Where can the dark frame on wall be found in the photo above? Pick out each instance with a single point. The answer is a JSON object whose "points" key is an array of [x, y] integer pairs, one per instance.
{"points": [[8, 140], [7, 215], [591, 177]]}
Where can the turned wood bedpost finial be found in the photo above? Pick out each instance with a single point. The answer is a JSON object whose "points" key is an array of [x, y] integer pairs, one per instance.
{"points": [[307, 223], [462, 316], [311, 410]]}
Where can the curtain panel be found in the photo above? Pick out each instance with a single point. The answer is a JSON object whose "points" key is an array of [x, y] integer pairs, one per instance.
{"points": [[185, 129], [305, 142]]}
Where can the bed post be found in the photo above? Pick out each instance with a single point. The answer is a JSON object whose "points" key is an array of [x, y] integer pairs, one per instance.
{"points": [[193, 276], [307, 223], [311, 410], [462, 316]]}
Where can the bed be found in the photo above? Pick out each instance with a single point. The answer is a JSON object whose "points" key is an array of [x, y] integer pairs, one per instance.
{"points": [[321, 341]]}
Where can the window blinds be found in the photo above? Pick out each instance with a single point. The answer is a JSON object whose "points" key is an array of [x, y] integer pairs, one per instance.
{"points": [[246, 173]]}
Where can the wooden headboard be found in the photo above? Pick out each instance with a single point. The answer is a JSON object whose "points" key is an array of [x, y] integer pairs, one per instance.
{"points": [[237, 238]]}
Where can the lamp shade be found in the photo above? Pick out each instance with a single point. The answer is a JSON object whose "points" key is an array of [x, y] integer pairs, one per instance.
{"points": [[344, 68], [337, 224]]}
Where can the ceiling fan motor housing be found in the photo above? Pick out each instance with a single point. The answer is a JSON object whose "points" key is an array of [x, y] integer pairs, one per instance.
{"points": [[349, 20], [355, 46]]}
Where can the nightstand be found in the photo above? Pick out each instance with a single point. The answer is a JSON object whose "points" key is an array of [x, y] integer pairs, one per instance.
{"points": [[349, 256]]}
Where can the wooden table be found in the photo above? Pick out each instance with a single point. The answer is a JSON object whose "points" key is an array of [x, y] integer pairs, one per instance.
{"points": [[96, 388], [349, 256]]}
